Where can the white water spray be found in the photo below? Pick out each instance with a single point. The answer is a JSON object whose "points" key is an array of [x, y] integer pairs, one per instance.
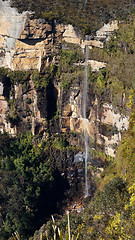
{"points": [[85, 2], [84, 102]]}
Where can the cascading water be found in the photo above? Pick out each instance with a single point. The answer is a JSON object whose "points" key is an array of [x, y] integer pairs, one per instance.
{"points": [[84, 102], [85, 2]]}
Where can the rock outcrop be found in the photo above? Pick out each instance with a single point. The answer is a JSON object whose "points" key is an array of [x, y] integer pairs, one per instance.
{"points": [[95, 65], [106, 31], [24, 43], [11, 26], [23, 113], [27, 44], [104, 126], [70, 35]]}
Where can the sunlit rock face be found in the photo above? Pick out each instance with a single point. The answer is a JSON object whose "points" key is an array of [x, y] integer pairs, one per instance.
{"points": [[5, 126], [96, 65], [29, 115], [104, 126], [11, 26], [11, 23], [107, 30], [26, 44], [70, 35]]}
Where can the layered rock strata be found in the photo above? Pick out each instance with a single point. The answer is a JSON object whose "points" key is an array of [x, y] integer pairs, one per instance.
{"points": [[70, 35], [24, 43], [104, 125], [27, 44]]}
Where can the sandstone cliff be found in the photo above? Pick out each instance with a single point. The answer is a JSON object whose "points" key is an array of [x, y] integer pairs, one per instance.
{"points": [[29, 44], [25, 44]]}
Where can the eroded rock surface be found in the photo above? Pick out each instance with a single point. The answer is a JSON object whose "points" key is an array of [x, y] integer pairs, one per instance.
{"points": [[70, 35], [26, 44], [104, 126]]}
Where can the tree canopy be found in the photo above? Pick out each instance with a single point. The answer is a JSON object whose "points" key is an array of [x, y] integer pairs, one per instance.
{"points": [[86, 16]]}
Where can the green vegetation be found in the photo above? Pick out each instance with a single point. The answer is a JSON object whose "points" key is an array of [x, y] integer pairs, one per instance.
{"points": [[96, 155], [98, 81], [31, 185], [115, 84], [108, 130], [24, 171], [17, 77], [105, 216], [68, 73], [126, 155], [122, 51], [110, 213], [42, 79], [85, 17], [33, 170]]}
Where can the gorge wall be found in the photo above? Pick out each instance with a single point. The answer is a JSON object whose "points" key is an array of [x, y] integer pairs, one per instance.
{"points": [[105, 124], [29, 44], [25, 44]]}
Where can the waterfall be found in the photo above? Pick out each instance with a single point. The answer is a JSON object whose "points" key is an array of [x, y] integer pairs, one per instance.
{"points": [[84, 103], [85, 2]]}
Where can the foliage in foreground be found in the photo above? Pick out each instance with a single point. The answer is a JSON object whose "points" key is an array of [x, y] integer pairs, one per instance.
{"points": [[110, 214], [30, 183]]}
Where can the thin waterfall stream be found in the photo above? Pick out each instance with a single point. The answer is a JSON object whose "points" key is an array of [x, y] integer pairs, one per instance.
{"points": [[84, 103]]}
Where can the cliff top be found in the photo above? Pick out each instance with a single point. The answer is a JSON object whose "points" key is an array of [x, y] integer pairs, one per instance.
{"points": [[85, 16]]}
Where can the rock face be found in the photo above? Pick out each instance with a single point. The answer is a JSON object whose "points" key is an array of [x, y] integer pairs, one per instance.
{"points": [[26, 44], [104, 126], [4, 124], [104, 33], [36, 45], [107, 30], [70, 36], [11, 26], [96, 65], [25, 103]]}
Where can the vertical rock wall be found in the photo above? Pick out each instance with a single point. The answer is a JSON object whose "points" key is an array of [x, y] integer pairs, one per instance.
{"points": [[104, 125], [25, 44], [11, 26]]}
